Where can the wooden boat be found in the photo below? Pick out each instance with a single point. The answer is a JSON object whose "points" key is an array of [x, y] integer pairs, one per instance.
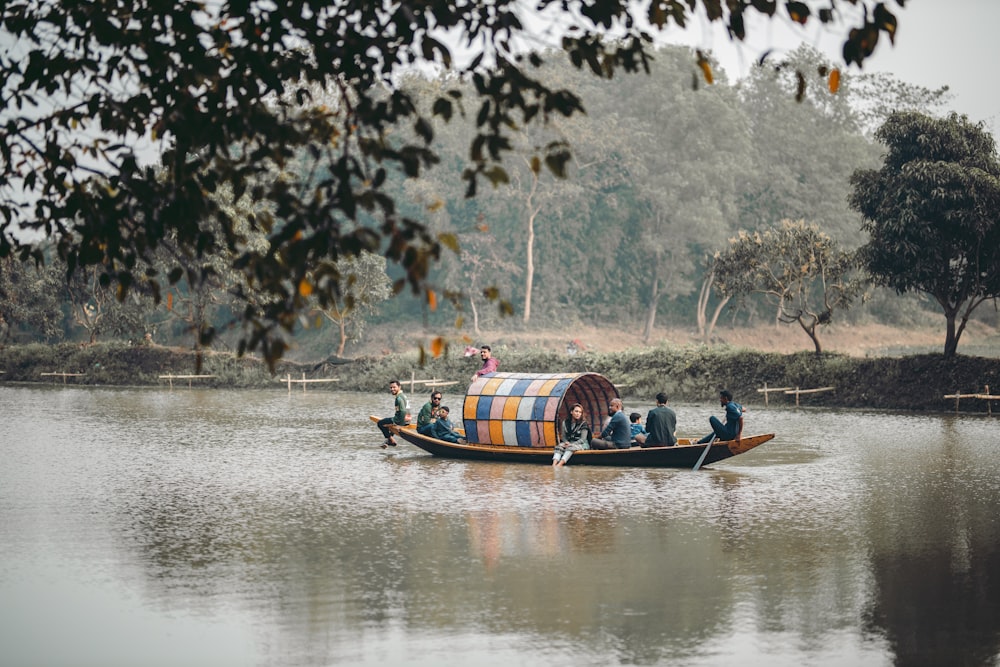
{"points": [[514, 417]]}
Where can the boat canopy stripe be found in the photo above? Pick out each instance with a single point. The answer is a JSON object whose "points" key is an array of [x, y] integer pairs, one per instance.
{"points": [[525, 409]]}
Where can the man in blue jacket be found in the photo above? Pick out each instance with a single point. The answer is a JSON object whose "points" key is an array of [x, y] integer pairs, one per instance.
{"points": [[618, 433]]}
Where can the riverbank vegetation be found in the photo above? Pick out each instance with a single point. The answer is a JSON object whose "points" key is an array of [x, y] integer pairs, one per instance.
{"points": [[675, 203], [692, 373]]}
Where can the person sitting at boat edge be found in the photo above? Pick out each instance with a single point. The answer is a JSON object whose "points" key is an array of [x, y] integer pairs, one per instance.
{"points": [[428, 413], [733, 428], [490, 363], [442, 429], [576, 435], [401, 417], [637, 430], [661, 423], [617, 434]]}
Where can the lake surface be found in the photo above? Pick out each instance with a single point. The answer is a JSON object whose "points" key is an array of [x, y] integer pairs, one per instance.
{"points": [[204, 527]]}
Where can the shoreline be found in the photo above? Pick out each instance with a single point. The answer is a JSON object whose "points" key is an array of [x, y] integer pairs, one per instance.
{"points": [[914, 383]]}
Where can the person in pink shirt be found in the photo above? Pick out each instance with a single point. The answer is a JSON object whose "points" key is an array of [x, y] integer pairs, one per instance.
{"points": [[490, 364]]}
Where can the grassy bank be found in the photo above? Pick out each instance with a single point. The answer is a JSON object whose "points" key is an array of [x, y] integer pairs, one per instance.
{"points": [[127, 365], [689, 373]]}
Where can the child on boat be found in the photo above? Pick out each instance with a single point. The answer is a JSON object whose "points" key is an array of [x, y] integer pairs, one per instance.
{"points": [[442, 428], [637, 428]]}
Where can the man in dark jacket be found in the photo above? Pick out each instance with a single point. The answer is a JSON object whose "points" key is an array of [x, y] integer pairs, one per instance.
{"points": [[661, 423], [733, 428]]}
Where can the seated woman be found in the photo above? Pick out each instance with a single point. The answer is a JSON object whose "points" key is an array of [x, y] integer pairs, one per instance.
{"points": [[576, 435], [442, 428]]}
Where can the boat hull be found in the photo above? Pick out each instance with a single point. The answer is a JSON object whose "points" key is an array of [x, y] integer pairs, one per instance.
{"points": [[684, 455]]}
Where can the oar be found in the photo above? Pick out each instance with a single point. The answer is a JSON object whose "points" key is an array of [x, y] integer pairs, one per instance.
{"points": [[701, 458]]}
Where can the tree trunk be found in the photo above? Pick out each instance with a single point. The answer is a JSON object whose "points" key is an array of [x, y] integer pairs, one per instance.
{"points": [[705, 327], [530, 259], [951, 336], [951, 315], [811, 332], [715, 319], [647, 331], [529, 266], [342, 328], [703, 294], [475, 315]]}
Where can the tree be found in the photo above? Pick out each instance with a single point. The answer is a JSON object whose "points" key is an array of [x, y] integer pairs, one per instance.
{"points": [[207, 287], [478, 260], [28, 300], [933, 214], [801, 270], [95, 308], [363, 285], [205, 87], [686, 149]]}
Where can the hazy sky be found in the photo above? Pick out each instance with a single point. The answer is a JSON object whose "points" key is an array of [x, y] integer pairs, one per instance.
{"points": [[954, 43]]}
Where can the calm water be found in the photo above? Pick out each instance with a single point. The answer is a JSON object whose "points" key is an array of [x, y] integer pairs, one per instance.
{"points": [[204, 527]]}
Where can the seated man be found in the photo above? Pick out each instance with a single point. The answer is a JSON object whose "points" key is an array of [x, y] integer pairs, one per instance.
{"points": [[443, 430], [400, 418], [733, 428], [661, 423], [429, 413], [617, 434]]}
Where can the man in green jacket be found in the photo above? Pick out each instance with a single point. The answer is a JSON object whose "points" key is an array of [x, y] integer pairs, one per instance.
{"points": [[400, 418], [429, 413]]}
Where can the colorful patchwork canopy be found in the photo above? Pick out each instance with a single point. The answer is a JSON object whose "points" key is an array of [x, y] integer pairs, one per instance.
{"points": [[524, 409]]}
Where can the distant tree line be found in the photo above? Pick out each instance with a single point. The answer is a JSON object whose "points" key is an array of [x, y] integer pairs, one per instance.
{"points": [[683, 202], [666, 201]]}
